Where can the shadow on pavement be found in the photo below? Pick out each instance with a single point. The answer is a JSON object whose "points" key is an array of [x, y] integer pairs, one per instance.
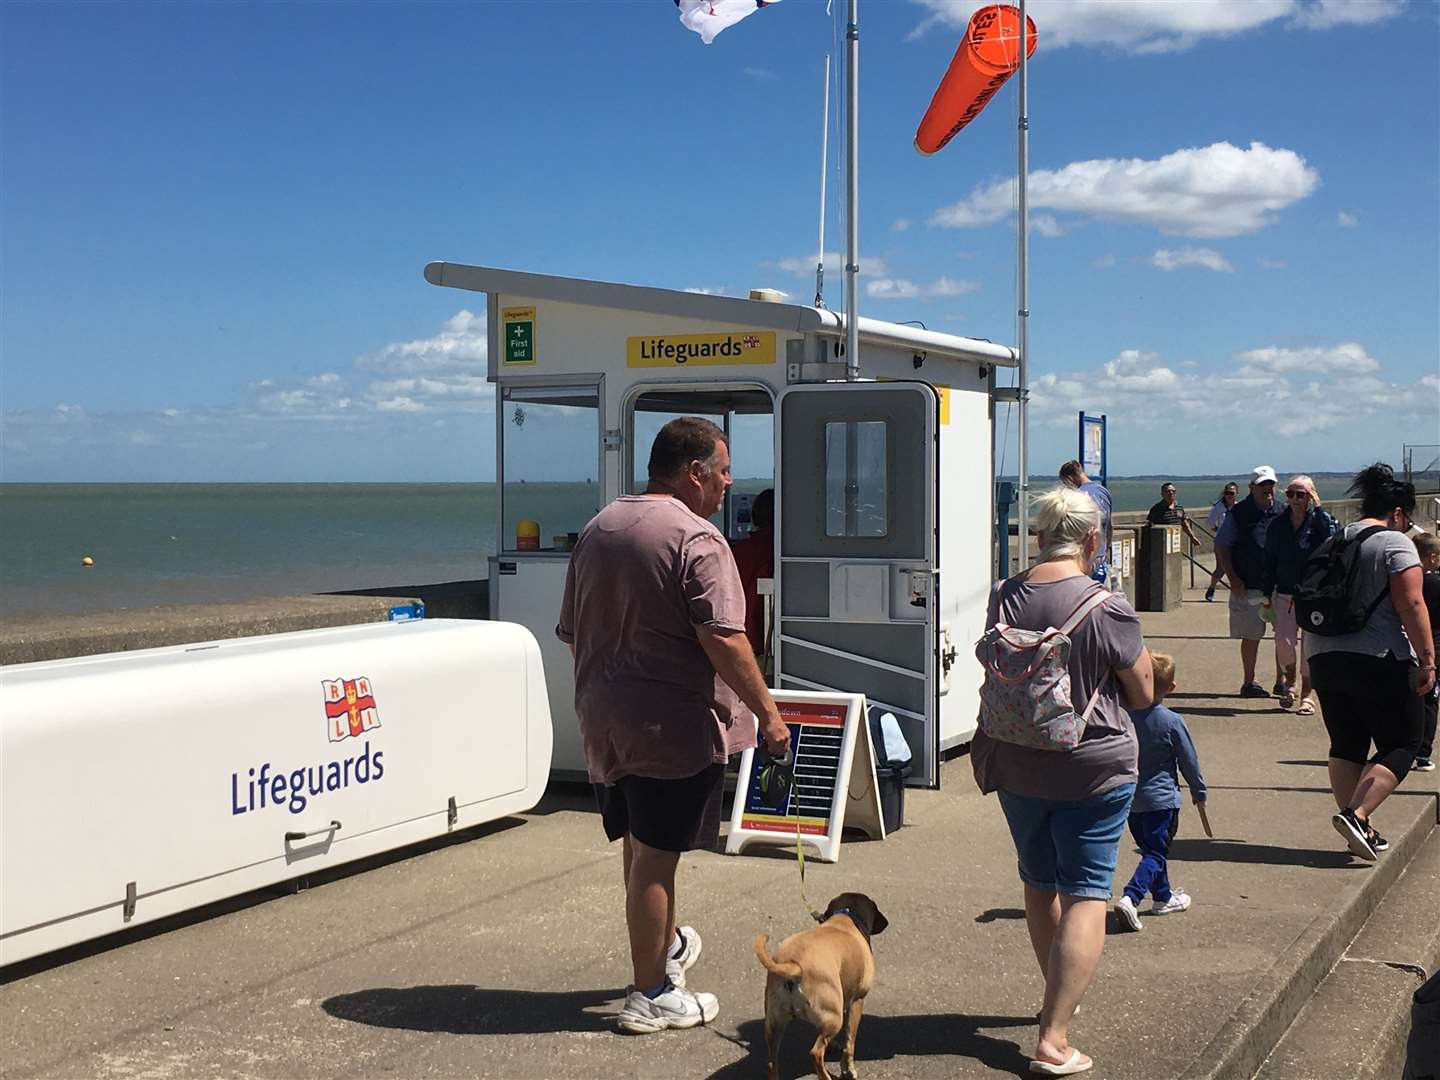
{"points": [[1318, 764], [1239, 851], [474, 1010], [1212, 710], [882, 1038], [1000, 912]]}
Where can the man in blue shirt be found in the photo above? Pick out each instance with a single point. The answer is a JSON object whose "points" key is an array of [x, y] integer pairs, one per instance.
{"points": [[1073, 473], [1240, 551]]}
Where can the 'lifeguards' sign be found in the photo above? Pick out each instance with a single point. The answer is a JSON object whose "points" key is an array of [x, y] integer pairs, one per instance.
{"points": [[685, 350]]}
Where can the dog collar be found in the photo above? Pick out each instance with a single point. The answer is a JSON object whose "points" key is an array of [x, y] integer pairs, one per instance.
{"points": [[841, 911]]}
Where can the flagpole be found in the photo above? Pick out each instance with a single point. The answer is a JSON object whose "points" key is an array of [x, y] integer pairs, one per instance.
{"points": [[852, 168], [1023, 299], [824, 156]]}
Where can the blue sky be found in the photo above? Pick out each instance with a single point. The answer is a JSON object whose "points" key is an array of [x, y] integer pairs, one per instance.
{"points": [[214, 218]]}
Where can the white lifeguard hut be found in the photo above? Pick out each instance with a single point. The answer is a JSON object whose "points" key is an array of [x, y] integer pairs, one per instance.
{"points": [[883, 484]]}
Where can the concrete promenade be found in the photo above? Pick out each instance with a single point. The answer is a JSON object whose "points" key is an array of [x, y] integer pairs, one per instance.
{"points": [[501, 952]]}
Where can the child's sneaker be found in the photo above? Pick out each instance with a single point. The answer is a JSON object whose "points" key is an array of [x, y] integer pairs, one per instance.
{"points": [[1125, 909], [676, 966], [1209, 593], [1423, 764], [1178, 902], [676, 1007]]}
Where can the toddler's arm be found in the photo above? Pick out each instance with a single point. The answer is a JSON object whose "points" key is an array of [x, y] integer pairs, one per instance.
{"points": [[1188, 760]]}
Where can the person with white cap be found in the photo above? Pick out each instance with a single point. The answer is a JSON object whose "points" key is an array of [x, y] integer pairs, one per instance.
{"points": [[1240, 551]]}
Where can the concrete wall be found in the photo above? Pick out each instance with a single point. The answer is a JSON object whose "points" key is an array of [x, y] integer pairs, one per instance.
{"points": [[24, 641]]}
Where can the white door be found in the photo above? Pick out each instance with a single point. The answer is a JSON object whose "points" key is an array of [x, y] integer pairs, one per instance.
{"points": [[856, 588]]}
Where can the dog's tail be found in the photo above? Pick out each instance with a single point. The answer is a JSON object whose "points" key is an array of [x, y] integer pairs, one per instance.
{"points": [[785, 969]]}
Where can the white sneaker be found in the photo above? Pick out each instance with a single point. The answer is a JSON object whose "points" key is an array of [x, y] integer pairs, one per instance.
{"points": [[1128, 915], [1177, 903], [676, 966], [675, 1008]]}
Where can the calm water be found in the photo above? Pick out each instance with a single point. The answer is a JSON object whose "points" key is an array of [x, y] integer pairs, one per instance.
{"points": [[190, 543]]}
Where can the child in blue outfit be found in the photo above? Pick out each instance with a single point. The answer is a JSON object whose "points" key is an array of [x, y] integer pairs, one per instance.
{"points": [[1155, 813]]}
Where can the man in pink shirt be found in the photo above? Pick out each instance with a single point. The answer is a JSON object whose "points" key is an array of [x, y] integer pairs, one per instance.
{"points": [[666, 689]]}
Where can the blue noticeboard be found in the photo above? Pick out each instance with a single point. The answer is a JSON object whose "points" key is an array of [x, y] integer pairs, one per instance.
{"points": [[1093, 454], [407, 612]]}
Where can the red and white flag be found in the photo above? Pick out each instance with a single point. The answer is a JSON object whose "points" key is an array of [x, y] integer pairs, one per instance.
{"points": [[708, 17]]}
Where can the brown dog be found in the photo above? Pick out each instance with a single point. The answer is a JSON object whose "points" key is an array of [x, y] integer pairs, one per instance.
{"points": [[822, 976]]}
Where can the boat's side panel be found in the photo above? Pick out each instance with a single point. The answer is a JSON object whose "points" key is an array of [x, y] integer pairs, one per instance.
{"points": [[192, 771]]}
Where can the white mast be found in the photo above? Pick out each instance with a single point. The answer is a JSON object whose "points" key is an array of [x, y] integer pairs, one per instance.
{"points": [[1023, 299], [852, 212], [824, 154]]}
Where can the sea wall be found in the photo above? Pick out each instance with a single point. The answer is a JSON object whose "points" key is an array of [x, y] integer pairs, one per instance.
{"points": [[27, 640]]}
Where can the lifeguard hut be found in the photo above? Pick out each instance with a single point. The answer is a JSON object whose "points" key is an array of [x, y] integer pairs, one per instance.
{"points": [[883, 483]]}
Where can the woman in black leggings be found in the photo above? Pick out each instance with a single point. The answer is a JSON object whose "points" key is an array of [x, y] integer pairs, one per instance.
{"points": [[1371, 683]]}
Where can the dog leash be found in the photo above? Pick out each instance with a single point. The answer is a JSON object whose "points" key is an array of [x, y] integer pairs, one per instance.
{"points": [[786, 766]]}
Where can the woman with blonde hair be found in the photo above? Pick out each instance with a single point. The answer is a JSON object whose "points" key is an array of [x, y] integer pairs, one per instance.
{"points": [[1289, 542], [1066, 809]]}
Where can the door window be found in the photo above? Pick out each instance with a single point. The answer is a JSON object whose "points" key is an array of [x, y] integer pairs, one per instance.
{"points": [[856, 487]]}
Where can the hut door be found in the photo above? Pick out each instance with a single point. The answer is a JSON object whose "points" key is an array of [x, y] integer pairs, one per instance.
{"points": [[856, 588]]}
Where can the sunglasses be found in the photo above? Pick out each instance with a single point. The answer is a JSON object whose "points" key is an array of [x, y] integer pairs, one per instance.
{"points": [[1297, 494]]}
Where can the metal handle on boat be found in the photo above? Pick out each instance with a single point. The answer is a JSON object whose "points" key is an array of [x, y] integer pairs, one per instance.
{"points": [[291, 837]]}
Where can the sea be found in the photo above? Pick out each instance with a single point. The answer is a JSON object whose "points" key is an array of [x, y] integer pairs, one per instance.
{"points": [[154, 544]]}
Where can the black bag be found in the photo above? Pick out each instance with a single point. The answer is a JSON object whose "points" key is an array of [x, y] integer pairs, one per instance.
{"points": [[1325, 601]]}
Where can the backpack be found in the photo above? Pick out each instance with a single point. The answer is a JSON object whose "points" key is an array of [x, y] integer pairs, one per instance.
{"points": [[1025, 698], [1325, 600]]}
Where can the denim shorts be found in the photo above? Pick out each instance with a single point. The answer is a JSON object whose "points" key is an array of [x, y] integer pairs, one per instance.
{"points": [[1069, 847]]}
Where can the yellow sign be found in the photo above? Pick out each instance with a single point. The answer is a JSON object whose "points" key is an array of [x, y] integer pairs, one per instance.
{"points": [[700, 350], [944, 392], [517, 326]]}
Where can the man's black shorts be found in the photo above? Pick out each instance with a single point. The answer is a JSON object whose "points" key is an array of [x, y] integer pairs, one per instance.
{"points": [[671, 815]]}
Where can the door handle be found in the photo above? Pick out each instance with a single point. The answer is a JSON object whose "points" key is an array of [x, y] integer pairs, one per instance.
{"points": [[291, 837]]}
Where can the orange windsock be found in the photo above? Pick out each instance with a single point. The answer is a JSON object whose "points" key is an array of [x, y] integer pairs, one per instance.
{"points": [[987, 56]]}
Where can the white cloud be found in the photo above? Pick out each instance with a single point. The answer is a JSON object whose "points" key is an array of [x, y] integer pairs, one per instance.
{"points": [[1210, 259], [1348, 357], [1267, 263], [1301, 392], [1047, 225], [460, 344], [902, 225], [1156, 26], [759, 74], [399, 404], [1103, 262], [328, 378], [1346, 220], [705, 290], [1216, 190], [904, 289], [1324, 14], [804, 265]]}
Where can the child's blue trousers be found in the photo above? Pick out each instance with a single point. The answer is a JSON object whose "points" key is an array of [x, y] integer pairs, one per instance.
{"points": [[1153, 830]]}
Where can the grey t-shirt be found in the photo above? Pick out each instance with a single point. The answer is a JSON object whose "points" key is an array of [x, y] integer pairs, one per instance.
{"points": [[1385, 553], [644, 574], [1107, 641]]}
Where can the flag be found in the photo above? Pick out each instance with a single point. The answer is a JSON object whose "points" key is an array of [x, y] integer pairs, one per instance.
{"points": [[708, 17]]}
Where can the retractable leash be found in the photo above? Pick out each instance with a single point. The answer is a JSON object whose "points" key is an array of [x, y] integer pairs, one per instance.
{"points": [[777, 781]]}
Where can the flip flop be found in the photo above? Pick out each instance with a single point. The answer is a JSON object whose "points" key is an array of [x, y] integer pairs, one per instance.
{"points": [[1307, 708], [1075, 1063]]}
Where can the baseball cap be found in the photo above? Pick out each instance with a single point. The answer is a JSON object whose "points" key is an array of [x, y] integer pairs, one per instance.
{"points": [[1262, 474]]}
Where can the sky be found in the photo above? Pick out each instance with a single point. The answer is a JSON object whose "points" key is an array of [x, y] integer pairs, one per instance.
{"points": [[214, 218]]}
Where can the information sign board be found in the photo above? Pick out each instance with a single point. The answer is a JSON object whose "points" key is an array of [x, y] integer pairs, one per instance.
{"points": [[517, 324], [834, 775]]}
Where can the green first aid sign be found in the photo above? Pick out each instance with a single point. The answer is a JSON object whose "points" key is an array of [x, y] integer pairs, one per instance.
{"points": [[518, 325]]}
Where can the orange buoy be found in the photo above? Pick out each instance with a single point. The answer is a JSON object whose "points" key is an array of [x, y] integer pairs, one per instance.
{"points": [[987, 56]]}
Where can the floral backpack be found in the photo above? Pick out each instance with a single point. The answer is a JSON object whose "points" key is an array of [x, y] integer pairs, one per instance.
{"points": [[1025, 698]]}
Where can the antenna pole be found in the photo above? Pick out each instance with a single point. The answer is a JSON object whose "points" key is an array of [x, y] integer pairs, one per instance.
{"points": [[824, 154], [1023, 298], [852, 211]]}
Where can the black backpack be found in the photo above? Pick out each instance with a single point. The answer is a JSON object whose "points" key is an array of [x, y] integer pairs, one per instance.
{"points": [[1325, 601]]}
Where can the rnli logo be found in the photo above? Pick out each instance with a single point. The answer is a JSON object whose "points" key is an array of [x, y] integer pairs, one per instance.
{"points": [[349, 707]]}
